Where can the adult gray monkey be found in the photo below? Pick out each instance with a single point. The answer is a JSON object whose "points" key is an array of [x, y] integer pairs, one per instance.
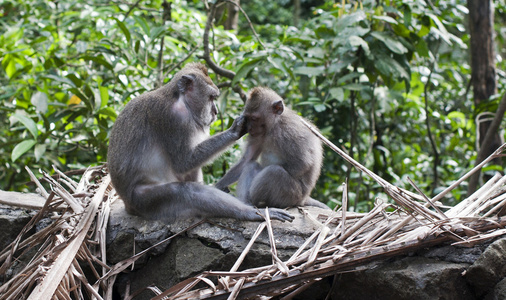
{"points": [[160, 142]]}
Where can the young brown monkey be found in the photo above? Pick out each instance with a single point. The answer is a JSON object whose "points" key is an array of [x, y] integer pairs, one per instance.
{"points": [[283, 157], [160, 142]]}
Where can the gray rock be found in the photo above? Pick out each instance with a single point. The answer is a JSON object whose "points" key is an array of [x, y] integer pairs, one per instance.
{"points": [[455, 254], [214, 245], [12, 221], [407, 278], [488, 269], [126, 231], [499, 291]]}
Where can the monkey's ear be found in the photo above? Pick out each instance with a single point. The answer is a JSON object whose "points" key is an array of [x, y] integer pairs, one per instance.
{"points": [[278, 107], [185, 83]]}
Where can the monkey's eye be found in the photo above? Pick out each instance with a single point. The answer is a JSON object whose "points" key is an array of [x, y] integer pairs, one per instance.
{"points": [[212, 98]]}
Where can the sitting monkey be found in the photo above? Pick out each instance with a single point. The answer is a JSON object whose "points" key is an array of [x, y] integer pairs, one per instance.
{"points": [[283, 157], [160, 142]]}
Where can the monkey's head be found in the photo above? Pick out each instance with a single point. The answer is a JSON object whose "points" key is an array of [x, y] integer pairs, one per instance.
{"points": [[262, 110], [198, 92]]}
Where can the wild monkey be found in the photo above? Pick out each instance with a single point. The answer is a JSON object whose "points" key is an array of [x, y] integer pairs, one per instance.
{"points": [[160, 142], [283, 157]]}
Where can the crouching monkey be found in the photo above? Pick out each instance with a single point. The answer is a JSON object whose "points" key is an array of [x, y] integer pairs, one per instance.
{"points": [[283, 157]]}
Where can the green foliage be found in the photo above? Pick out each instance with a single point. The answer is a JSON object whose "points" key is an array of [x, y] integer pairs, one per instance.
{"points": [[370, 74], [69, 67]]}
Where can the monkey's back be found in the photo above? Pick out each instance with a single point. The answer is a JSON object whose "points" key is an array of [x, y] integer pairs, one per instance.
{"points": [[301, 150], [133, 137]]}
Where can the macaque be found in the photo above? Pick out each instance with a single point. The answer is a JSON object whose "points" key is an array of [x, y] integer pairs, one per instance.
{"points": [[160, 142], [282, 160]]}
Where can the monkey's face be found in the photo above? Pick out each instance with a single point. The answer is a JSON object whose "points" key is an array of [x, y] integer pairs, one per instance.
{"points": [[262, 110], [255, 124], [201, 99]]}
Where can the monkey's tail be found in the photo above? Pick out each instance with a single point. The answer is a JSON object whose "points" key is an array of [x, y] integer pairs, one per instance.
{"points": [[313, 202]]}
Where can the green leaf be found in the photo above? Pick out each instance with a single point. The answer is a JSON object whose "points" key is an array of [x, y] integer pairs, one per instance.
{"points": [[324, 32], [461, 118], [77, 82], [99, 60], [109, 112], [9, 66], [28, 123], [443, 33], [311, 71], [39, 100], [123, 28], [354, 87], [21, 149], [391, 43], [104, 95], [320, 107], [60, 79], [350, 19], [349, 77], [337, 93], [39, 150], [389, 67], [144, 25], [357, 41], [422, 48], [222, 100], [245, 68], [386, 19], [156, 32]]}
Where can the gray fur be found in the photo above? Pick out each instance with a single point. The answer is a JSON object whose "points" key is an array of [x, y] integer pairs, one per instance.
{"points": [[283, 158], [160, 142]]}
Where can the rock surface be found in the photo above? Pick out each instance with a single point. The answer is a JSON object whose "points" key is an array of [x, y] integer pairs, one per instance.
{"points": [[406, 278], [12, 221], [488, 269], [209, 246]]}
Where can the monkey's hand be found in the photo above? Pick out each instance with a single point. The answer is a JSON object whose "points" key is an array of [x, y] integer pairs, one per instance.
{"points": [[239, 127], [280, 214]]}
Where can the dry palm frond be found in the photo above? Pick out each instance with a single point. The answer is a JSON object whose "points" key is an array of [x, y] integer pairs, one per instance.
{"points": [[54, 271]]}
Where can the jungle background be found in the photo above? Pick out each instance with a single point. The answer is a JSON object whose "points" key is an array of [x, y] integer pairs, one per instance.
{"points": [[405, 87]]}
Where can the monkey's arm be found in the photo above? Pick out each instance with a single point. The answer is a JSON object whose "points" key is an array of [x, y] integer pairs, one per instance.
{"points": [[209, 148], [232, 175], [252, 152]]}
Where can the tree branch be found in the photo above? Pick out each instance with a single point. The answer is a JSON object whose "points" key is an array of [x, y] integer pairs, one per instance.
{"points": [[132, 8], [217, 69]]}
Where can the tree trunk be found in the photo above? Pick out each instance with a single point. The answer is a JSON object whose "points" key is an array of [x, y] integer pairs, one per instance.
{"points": [[233, 15], [483, 74], [228, 15], [296, 13]]}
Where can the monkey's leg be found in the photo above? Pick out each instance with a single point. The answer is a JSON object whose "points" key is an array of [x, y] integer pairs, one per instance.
{"points": [[177, 200], [249, 172], [274, 187]]}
